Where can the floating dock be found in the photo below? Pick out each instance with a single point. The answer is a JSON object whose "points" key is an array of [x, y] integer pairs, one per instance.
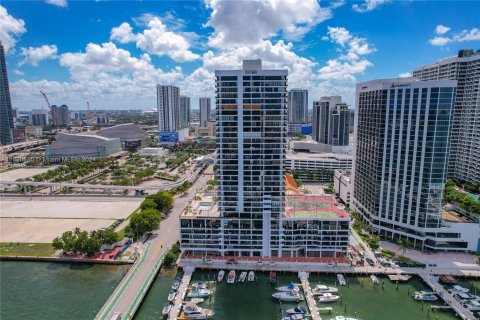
{"points": [[312, 304], [182, 291], [399, 277]]}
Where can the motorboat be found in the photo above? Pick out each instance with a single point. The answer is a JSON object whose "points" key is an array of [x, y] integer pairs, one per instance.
{"points": [[341, 280], [231, 276], [192, 311], [221, 275], [294, 317], [327, 297], [200, 285], [293, 295], [166, 309], [197, 300], [272, 277], [343, 318], [251, 276], [320, 288], [290, 287], [374, 279], [243, 276], [457, 288], [472, 305], [198, 293], [425, 296], [172, 295], [297, 310], [175, 285]]}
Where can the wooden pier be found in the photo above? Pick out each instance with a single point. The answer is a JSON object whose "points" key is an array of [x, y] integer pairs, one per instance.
{"points": [[182, 291], [309, 297]]}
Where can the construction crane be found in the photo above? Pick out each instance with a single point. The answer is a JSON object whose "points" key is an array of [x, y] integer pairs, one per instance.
{"points": [[52, 111]]}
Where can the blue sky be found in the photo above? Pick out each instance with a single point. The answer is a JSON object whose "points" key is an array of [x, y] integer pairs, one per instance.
{"points": [[113, 53]]}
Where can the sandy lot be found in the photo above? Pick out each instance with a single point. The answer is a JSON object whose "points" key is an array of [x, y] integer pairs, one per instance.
{"points": [[44, 230], [21, 173], [68, 209]]}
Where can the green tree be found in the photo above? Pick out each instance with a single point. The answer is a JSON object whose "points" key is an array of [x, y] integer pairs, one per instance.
{"points": [[169, 259], [164, 201], [148, 203], [403, 244], [144, 221], [91, 246]]}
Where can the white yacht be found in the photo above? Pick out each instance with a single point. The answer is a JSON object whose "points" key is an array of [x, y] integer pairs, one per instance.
{"points": [[327, 297], [293, 295], [198, 293], [200, 285], [192, 311], [341, 280], [297, 310], [425, 296], [320, 288], [166, 309], [172, 295], [374, 279], [221, 275], [343, 318], [243, 276], [290, 287], [175, 285], [294, 317], [231, 276], [251, 276]]}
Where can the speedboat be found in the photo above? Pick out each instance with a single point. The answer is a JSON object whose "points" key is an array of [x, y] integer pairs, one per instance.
{"points": [[172, 295], [198, 293], [327, 297], [341, 280], [273, 277], [231, 276], [175, 285], [343, 318], [293, 295], [251, 276], [320, 288], [425, 296], [166, 309], [294, 317], [374, 279], [192, 311], [243, 276], [457, 288], [200, 285], [297, 310], [197, 300], [221, 274], [290, 287]]}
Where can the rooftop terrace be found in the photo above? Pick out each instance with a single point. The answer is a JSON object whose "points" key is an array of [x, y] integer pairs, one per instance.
{"points": [[313, 206]]}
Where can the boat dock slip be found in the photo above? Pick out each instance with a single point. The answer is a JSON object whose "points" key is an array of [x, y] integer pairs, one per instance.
{"points": [[182, 291], [432, 282], [399, 277], [309, 297]]}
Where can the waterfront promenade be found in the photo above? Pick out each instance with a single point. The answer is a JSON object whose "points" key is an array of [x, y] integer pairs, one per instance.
{"points": [[128, 295]]}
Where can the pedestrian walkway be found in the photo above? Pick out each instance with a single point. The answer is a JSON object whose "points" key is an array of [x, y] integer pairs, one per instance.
{"points": [[182, 291], [312, 304], [463, 312]]}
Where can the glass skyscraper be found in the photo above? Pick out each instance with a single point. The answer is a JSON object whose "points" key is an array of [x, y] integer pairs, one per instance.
{"points": [[6, 115]]}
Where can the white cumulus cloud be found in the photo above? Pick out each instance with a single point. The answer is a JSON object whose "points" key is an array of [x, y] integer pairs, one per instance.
{"points": [[368, 5], [465, 35], [58, 3], [468, 35], [34, 55], [440, 29], [405, 75], [10, 29]]}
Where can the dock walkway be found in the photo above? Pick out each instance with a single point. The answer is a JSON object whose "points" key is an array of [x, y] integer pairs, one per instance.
{"points": [[312, 304], [463, 312], [182, 291]]}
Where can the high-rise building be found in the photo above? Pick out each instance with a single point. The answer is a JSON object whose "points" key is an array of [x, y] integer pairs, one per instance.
{"points": [[184, 112], [39, 117], [402, 137], [330, 121], [205, 105], [297, 106], [6, 115], [463, 163], [168, 102], [60, 115]]}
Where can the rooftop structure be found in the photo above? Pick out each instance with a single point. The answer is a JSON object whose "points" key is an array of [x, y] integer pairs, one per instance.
{"points": [[68, 146], [313, 206], [130, 135]]}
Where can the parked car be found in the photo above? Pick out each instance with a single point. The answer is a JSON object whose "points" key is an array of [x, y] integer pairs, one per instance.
{"points": [[370, 261]]}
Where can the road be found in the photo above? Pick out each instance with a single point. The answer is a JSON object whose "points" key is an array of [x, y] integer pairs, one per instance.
{"points": [[130, 291]]}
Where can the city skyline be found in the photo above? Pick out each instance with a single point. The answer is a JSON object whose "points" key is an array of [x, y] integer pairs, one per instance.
{"points": [[115, 61]]}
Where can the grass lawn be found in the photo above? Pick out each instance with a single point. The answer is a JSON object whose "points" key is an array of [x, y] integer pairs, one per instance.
{"points": [[26, 249]]}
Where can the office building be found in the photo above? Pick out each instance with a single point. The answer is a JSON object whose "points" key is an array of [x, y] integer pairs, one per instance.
{"points": [[297, 110], [463, 163], [39, 117], [184, 112], [317, 166], [6, 114], [342, 185], [402, 137], [60, 116], [253, 216], [103, 119], [168, 102], [330, 121], [205, 105]]}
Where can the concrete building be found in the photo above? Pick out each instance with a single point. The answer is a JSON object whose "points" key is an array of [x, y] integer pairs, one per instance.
{"points": [[318, 166], [33, 131], [297, 110], [205, 105], [209, 131], [310, 146], [168, 102], [78, 146], [402, 136], [330, 121], [6, 114], [60, 115], [103, 119], [342, 185], [463, 163], [184, 112], [39, 117], [131, 136]]}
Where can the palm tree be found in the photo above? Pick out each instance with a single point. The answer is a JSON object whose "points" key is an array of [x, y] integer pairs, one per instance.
{"points": [[403, 244]]}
